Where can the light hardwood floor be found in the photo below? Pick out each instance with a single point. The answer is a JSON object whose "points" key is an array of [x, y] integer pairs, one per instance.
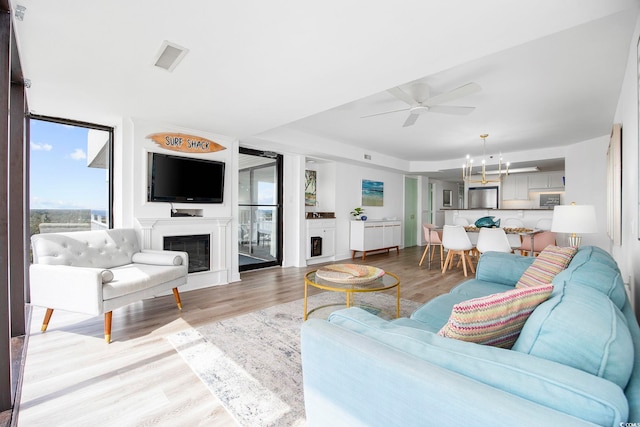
{"points": [[72, 377]]}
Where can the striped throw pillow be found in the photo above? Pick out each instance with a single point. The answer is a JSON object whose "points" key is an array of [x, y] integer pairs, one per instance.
{"points": [[495, 319], [551, 261]]}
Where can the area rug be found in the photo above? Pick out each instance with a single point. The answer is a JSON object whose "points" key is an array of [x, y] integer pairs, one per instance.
{"points": [[251, 363]]}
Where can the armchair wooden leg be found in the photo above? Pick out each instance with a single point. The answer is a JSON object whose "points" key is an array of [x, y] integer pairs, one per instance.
{"points": [[47, 317], [107, 326], [176, 295]]}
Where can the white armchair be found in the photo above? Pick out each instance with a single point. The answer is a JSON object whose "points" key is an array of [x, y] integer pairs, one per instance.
{"points": [[95, 272]]}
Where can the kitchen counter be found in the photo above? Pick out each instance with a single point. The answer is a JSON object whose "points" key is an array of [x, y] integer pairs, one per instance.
{"points": [[529, 217]]}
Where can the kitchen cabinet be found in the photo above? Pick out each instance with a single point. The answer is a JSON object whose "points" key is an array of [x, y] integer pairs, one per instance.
{"points": [[546, 181], [321, 240], [369, 236], [515, 187]]}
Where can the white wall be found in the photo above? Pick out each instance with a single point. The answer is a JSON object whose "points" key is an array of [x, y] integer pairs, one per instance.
{"points": [[131, 208], [586, 184], [628, 253]]}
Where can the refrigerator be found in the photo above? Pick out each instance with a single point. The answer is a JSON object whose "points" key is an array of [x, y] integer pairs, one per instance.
{"points": [[483, 198]]}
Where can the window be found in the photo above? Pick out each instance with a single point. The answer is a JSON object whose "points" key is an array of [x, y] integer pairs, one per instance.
{"points": [[70, 176]]}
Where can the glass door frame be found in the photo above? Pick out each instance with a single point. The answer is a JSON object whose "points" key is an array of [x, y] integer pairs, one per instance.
{"points": [[278, 207]]}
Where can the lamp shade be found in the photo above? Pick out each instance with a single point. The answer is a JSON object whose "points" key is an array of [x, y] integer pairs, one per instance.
{"points": [[577, 219]]}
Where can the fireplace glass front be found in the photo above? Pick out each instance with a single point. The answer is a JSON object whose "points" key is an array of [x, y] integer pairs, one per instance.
{"points": [[197, 246]]}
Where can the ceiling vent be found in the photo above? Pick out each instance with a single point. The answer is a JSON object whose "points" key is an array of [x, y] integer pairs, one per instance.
{"points": [[169, 55]]}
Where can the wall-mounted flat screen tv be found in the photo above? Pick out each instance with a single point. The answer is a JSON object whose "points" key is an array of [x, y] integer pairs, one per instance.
{"points": [[185, 180]]}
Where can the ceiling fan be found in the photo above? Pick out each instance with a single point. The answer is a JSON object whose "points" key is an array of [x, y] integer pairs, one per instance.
{"points": [[420, 102]]}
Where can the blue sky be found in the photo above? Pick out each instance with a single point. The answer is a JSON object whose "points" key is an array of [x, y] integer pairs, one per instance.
{"points": [[60, 178]]}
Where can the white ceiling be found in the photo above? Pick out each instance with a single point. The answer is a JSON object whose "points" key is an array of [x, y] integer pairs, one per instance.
{"points": [[298, 76]]}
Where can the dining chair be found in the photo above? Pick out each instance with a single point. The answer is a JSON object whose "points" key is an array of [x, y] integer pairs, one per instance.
{"points": [[456, 242], [432, 237], [512, 223], [460, 221], [493, 239], [514, 239], [544, 224], [540, 241]]}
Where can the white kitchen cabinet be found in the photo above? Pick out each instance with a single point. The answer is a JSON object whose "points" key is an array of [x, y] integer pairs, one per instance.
{"points": [[556, 180], [325, 247], [515, 187], [369, 236], [546, 181]]}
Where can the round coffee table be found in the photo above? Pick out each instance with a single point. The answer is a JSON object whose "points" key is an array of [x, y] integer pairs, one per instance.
{"points": [[388, 281]]}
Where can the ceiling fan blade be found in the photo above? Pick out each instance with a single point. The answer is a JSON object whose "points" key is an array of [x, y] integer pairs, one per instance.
{"points": [[402, 96], [464, 90], [451, 109], [410, 120], [386, 112]]}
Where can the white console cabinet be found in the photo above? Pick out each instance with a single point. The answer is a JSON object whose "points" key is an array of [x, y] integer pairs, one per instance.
{"points": [[370, 236]]}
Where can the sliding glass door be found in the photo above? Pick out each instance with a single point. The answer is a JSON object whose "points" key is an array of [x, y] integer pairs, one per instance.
{"points": [[260, 209]]}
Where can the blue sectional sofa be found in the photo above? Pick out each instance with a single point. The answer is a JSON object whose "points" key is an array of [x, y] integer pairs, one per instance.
{"points": [[576, 361]]}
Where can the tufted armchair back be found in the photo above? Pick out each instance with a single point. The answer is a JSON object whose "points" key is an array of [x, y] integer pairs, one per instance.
{"points": [[97, 248]]}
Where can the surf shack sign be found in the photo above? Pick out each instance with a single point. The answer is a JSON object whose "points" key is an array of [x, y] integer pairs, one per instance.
{"points": [[185, 143]]}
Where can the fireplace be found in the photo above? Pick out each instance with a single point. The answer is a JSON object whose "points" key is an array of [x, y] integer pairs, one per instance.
{"points": [[316, 246], [197, 246]]}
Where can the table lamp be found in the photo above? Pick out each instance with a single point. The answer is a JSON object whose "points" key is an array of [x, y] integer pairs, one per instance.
{"points": [[574, 219]]}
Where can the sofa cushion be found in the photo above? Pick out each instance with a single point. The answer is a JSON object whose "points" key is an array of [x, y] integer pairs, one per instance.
{"points": [[137, 277], [594, 267], [547, 383], [434, 314], [474, 288], [495, 319], [582, 328], [502, 268], [551, 261]]}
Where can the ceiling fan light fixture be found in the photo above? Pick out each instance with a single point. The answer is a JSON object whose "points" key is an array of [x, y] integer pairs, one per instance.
{"points": [[419, 109]]}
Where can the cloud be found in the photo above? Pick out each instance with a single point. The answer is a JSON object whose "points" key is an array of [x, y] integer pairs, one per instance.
{"points": [[78, 154], [41, 147]]}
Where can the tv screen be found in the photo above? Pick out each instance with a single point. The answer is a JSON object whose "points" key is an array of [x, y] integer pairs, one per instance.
{"points": [[185, 180]]}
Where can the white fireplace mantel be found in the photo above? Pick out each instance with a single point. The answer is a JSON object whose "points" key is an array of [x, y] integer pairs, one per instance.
{"points": [[155, 229], [178, 226]]}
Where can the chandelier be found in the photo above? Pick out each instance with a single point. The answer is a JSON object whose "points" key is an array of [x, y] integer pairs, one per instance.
{"points": [[467, 168]]}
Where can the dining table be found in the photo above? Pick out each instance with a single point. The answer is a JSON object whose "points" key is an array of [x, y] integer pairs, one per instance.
{"points": [[523, 232]]}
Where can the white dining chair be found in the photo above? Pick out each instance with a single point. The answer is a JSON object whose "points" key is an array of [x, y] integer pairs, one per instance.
{"points": [[460, 221], [512, 223], [544, 224], [432, 237], [514, 239], [493, 239], [456, 242]]}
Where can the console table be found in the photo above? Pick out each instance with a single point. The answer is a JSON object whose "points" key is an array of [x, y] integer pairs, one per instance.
{"points": [[374, 235]]}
